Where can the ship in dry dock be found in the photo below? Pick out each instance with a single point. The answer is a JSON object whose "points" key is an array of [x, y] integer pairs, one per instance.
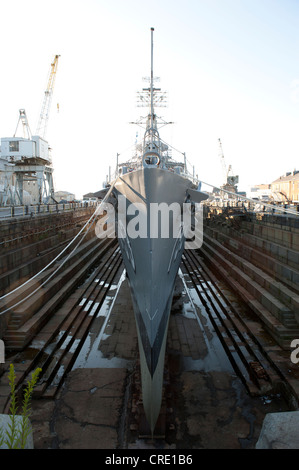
{"points": [[152, 259]]}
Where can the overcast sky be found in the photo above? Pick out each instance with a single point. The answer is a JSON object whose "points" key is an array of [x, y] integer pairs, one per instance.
{"points": [[230, 67]]}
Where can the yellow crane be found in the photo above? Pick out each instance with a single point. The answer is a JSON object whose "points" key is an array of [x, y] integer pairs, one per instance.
{"points": [[44, 115]]}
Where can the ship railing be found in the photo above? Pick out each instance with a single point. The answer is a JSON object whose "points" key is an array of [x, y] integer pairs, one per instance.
{"points": [[29, 210], [274, 208]]}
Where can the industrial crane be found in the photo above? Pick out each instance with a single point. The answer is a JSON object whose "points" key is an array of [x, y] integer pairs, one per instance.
{"points": [[230, 181], [44, 115], [224, 169], [32, 154]]}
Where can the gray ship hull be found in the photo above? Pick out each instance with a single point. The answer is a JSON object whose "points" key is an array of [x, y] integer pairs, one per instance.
{"points": [[152, 263]]}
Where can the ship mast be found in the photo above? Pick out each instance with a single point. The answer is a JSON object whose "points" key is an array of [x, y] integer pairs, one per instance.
{"points": [[152, 96], [152, 81]]}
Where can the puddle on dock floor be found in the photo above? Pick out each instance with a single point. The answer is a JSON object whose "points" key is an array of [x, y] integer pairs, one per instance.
{"points": [[192, 308], [91, 355]]}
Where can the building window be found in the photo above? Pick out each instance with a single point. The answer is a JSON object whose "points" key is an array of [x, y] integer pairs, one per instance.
{"points": [[14, 146]]}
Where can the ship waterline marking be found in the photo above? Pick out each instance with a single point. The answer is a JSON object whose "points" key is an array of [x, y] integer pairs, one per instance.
{"points": [[157, 220]]}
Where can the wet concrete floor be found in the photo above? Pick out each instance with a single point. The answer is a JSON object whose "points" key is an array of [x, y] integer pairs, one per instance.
{"points": [[206, 404]]}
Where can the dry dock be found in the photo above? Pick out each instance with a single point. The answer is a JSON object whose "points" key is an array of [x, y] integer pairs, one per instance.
{"points": [[227, 365], [205, 404]]}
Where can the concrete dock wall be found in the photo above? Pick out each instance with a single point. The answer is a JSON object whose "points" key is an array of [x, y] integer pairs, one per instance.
{"points": [[258, 256], [27, 245]]}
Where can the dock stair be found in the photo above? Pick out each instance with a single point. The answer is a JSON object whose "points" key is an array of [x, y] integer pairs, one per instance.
{"points": [[46, 292], [260, 261]]}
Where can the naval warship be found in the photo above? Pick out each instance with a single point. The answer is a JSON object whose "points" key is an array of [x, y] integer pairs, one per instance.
{"points": [[151, 180]]}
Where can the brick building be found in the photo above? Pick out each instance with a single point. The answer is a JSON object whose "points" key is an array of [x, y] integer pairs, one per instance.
{"points": [[286, 188]]}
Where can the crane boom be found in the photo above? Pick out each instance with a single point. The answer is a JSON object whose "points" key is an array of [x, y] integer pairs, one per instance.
{"points": [[224, 169], [230, 181], [44, 115]]}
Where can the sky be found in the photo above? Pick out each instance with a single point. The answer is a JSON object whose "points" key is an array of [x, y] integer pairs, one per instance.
{"points": [[230, 68]]}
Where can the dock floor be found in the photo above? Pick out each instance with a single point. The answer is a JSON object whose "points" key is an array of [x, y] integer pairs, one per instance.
{"points": [[208, 405]]}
